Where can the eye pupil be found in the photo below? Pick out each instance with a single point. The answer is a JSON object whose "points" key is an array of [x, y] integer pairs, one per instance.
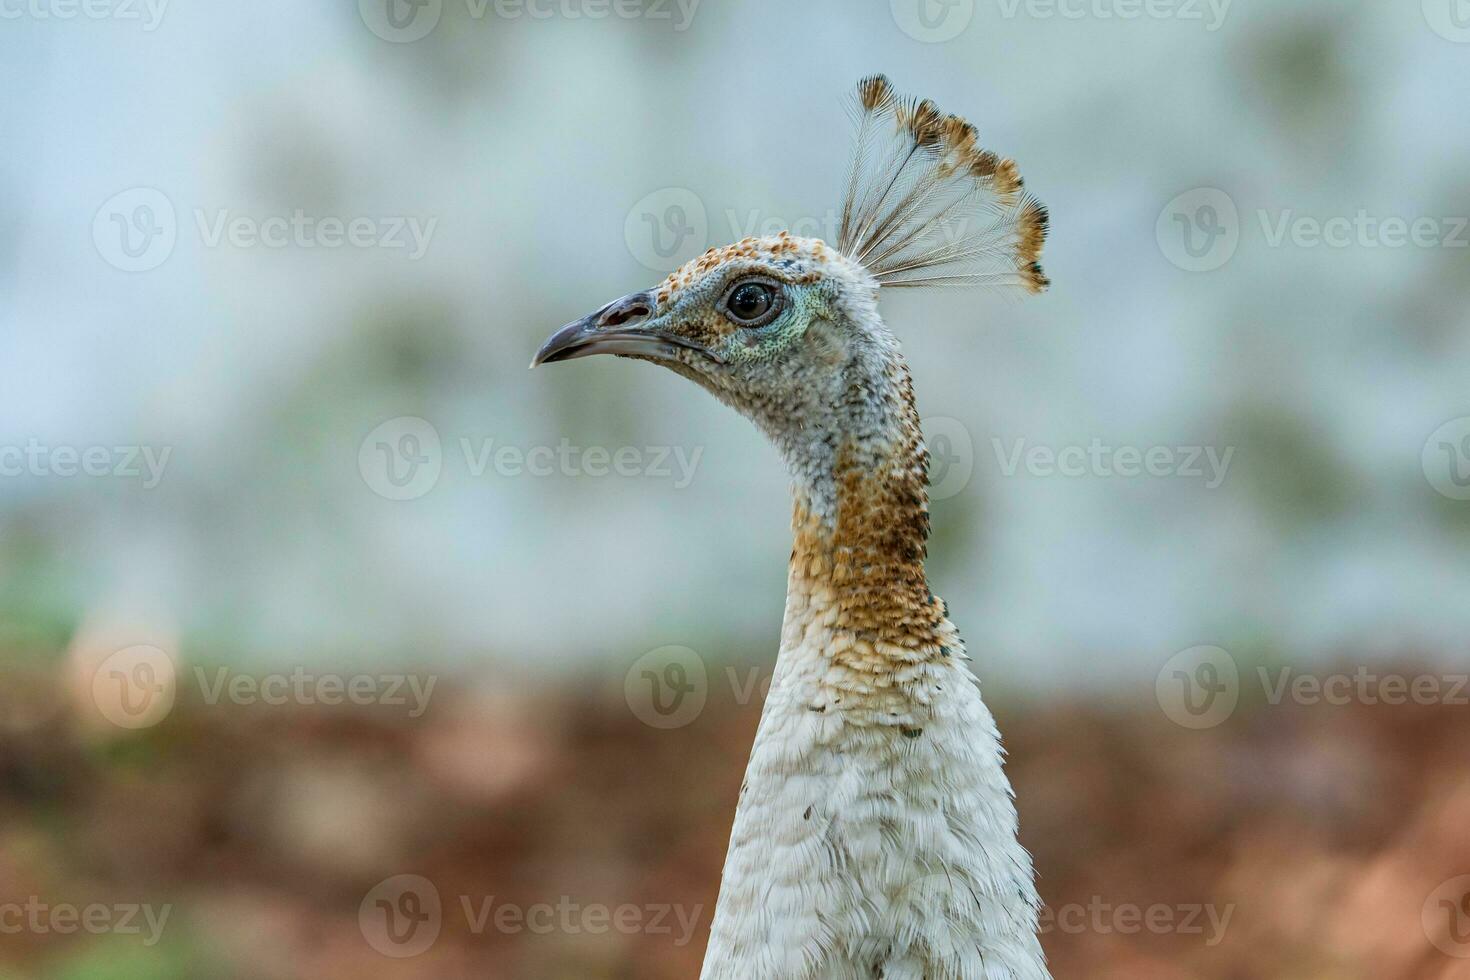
{"points": [[751, 301]]}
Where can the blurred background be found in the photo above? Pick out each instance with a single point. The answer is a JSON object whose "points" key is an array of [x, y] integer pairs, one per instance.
{"points": [[326, 627]]}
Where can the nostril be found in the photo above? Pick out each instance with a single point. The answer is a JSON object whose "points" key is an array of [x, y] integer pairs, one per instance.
{"points": [[620, 313]]}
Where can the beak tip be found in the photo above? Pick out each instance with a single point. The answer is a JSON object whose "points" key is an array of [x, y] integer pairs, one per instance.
{"points": [[564, 341], [595, 335]]}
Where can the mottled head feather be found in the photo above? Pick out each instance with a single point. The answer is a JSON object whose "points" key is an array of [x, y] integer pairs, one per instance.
{"points": [[799, 260], [927, 205]]}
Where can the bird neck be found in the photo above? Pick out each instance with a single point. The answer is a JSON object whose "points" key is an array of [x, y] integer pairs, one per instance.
{"points": [[861, 520], [874, 812]]}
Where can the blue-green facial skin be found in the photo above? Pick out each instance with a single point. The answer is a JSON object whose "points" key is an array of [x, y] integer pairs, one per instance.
{"points": [[699, 315], [801, 305]]}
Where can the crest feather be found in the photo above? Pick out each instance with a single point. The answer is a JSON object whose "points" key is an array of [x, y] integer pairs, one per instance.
{"points": [[927, 205]]}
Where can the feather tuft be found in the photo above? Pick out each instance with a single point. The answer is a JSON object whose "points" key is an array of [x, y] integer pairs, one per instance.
{"points": [[927, 205], [875, 91]]}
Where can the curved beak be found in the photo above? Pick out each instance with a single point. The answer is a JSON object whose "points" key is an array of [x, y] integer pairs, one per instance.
{"points": [[618, 328]]}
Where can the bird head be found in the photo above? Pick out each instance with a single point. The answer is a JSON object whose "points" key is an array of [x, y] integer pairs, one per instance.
{"points": [[786, 329], [765, 324]]}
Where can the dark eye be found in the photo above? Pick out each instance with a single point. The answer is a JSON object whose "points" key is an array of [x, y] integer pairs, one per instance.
{"points": [[753, 304]]}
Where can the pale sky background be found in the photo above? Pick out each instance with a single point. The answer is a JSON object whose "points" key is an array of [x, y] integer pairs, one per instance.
{"points": [[528, 148]]}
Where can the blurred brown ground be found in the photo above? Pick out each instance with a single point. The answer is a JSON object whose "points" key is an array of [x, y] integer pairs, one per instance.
{"points": [[1321, 832]]}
